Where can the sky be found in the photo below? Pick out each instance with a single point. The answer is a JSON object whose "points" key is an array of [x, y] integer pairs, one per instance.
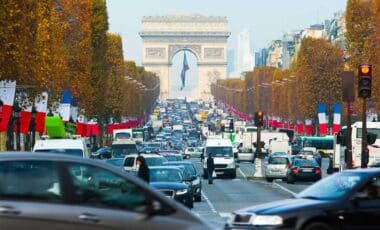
{"points": [[266, 19]]}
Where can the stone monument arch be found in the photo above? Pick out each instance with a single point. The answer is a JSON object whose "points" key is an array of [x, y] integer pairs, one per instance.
{"points": [[205, 37]]}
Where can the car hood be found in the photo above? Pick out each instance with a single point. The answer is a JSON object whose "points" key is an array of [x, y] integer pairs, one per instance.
{"points": [[285, 206], [168, 185]]}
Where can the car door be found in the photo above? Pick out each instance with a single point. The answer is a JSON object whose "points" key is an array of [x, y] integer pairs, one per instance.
{"points": [[365, 211], [31, 196], [104, 199], [129, 163]]}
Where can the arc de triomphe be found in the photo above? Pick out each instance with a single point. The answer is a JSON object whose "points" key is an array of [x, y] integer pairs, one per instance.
{"points": [[205, 37]]}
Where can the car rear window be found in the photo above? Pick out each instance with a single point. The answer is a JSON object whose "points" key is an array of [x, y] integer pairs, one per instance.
{"points": [[305, 163], [278, 160]]}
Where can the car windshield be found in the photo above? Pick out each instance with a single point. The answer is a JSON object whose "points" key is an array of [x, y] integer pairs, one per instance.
{"points": [[155, 161], [121, 136], [174, 157], [115, 162], [305, 153], [305, 163], [278, 161], [219, 151], [165, 175], [70, 152], [333, 187], [119, 151]]}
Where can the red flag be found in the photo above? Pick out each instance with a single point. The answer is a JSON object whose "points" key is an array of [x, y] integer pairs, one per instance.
{"points": [[7, 95]]}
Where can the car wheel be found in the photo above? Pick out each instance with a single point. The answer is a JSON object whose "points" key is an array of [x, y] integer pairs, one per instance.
{"points": [[233, 175], [190, 203], [198, 198], [317, 226], [290, 180], [269, 179]]}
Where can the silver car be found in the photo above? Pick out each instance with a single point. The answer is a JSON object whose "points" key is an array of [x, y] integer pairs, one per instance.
{"points": [[245, 154], [277, 167], [52, 191]]}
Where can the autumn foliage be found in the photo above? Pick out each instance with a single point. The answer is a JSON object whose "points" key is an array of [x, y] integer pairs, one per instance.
{"points": [[63, 44]]}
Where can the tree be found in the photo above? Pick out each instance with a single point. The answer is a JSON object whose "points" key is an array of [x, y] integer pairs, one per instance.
{"points": [[99, 27], [319, 65]]}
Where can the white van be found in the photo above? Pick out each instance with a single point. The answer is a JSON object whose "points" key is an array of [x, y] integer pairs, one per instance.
{"points": [[276, 146], [72, 147], [221, 151]]}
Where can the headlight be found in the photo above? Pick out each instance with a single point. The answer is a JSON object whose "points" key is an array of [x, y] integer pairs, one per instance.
{"points": [[266, 220], [181, 192], [196, 181], [231, 165]]}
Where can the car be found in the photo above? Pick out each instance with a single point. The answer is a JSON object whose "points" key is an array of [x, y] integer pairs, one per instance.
{"points": [[277, 167], [304, 170], [193, 152], [102, 153], [170, 181], [116, 162], [191, 175], [172, 156], [310, 154], [53, 191], [245, 154], [345, 200], [130, 164]]}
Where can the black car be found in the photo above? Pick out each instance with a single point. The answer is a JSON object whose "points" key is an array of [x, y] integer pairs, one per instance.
{"points": [[346, 200], [303, 170], [191, 176], [102, 153], [170, 181]]}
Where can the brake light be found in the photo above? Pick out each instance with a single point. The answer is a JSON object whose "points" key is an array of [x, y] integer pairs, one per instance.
{"points": [[295, 170], [318, 171], [288, 165]]}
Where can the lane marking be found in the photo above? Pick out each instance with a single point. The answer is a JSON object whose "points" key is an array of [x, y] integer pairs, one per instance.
{"points": [[285, 189], [209, 202], [241, 172], [275, 184], [225, 215]]}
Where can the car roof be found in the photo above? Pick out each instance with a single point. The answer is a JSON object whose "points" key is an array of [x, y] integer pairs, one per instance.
{"points": [[164, 167], [179, 162], [59, 143], [145, 155]]}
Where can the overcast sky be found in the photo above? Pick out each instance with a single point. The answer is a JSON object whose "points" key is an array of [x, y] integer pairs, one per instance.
{"points": [[266, 19]]}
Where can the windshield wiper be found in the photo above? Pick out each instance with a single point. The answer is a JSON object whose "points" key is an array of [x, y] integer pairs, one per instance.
{"points": [[310, 197]]}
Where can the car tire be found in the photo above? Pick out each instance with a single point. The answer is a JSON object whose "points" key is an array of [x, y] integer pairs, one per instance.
{"points": [[318, 226], [233, 175], [290, 180], [198, 198], [269, 179], [190, 203]]}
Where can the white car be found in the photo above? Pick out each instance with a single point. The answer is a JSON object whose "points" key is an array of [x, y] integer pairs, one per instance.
{"points": [[193, 152], [245, 154], [151, 160]]}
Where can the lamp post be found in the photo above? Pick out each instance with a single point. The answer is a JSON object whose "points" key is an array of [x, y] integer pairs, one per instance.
{"points": [[32, 131]]}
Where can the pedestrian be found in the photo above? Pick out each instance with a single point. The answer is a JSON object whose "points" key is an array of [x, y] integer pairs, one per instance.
{"points": [[143, 170], [210, 168]]}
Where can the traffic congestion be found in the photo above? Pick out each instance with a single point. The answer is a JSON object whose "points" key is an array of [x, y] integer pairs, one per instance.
{"points": [[192, 165]]}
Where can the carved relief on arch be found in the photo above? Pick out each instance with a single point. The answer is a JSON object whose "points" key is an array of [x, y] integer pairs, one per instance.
{"points": [[155, 53], [195, 49]]}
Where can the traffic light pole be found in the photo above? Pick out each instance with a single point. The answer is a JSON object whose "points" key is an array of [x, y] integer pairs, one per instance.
{"points": [[348, 151], [364, 159]]}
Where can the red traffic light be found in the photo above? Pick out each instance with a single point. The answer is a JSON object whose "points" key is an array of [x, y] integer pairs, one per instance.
{"points": [[366, 151]]}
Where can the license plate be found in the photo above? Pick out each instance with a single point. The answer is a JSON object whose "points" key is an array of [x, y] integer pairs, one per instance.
{"points": [[307, 170]]}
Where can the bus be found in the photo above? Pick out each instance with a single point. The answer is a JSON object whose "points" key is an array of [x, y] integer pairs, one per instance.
{"points": [[324, 145], [374, 149]]}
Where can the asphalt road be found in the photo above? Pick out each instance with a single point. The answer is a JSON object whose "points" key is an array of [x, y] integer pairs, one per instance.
{"points": [[224, 196]]}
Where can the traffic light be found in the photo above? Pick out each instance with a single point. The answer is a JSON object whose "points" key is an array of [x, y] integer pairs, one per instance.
{"points": [[231, 125], [259, 119], [365, 80], [222, 129]]}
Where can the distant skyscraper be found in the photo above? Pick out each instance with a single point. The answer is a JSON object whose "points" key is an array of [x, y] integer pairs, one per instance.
{"points": [[261, 57], [230, 62], [244, 56]]}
